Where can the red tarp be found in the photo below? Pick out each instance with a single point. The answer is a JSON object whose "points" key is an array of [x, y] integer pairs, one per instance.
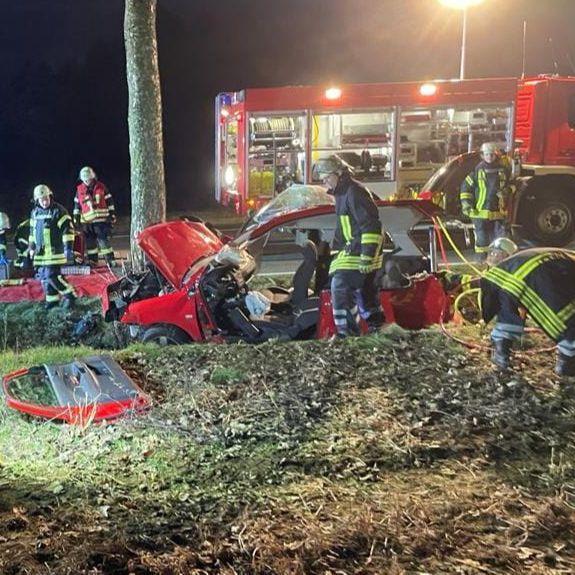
{"points": [[92, 285]]}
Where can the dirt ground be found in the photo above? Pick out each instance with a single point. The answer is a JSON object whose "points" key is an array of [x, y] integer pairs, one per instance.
{"points": [[399, 453]]}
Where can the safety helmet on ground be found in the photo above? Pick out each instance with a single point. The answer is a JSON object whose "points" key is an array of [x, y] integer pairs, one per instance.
{"points": [[489, 148], [331, 165], [4, 221], [505, 245], [87, 174], [42, 191]]}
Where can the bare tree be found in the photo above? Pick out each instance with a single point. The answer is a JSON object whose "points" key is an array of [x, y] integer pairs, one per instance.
{"points": [[144, 119]]}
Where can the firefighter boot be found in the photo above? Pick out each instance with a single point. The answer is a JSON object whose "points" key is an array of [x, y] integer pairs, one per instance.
{"points": [[375, 321], [565, 365], [501, 353]]}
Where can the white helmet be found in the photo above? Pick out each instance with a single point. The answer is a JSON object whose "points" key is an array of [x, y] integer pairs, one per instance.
{"points": [[505, 245], [4, 221], [489, 148], [42, 191], [87, 174]]}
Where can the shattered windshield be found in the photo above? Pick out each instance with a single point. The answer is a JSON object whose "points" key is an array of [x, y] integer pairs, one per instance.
{"points": [[296, 197]]}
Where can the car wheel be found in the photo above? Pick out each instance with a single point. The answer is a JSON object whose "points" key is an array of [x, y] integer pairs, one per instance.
{"points": [[165, 335], [551, 221]]}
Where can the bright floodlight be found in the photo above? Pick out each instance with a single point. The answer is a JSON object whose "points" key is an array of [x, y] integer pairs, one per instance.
{"points": [[460, 4], [333, 93], [428, 89]]}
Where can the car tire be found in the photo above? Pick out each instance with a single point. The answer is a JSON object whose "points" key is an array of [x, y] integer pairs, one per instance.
{"points": [[551, 221], [165, 335]]}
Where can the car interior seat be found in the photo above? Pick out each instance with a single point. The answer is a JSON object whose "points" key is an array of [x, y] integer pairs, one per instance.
{"points": [[299, 291]]}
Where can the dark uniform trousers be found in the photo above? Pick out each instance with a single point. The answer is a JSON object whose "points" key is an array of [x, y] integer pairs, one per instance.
{"points": [[53, 283], [98, 241]]}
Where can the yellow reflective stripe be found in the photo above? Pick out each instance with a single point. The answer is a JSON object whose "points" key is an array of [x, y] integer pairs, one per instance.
{"points": [[540, 311], [533, 302], [370, 238], [482, 189], [487, 215], [527, 267], [346, 227], [469, 180], [466, 195], [51, 298], [537, 307], [567, 312], [67, 238], [63, 219]]}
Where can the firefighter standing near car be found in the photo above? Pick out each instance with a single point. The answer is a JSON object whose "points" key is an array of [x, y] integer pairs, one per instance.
{"points": [[484, 194], [538, 282], [50, 245], [94, 211], [357, 245]]}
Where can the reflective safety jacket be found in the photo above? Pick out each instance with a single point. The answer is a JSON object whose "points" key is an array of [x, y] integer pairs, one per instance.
{"points": [[542, 280], [51, 232], [93, 203], [358, 237], [486, 190], [21, 242]]}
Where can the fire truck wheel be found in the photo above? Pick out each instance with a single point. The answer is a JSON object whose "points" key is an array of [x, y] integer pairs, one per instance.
{"points": [[551, 221], [165, 335]]}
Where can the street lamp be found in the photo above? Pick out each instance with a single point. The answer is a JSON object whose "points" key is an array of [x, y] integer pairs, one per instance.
{"points": [[462, 5]]}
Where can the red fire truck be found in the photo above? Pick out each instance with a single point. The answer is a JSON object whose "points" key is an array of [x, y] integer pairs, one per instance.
{"points": [[396, 135]]}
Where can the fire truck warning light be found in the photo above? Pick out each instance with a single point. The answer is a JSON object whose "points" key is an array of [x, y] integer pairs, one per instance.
{"points": [[333, 93]]}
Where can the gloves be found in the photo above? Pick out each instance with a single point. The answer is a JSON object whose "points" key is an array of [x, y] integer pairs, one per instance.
{"points": [[112, 218], [466, 208], [69, 254]]}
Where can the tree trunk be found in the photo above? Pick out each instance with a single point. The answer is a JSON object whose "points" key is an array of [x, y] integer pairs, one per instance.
{"points": [[144, 120]]}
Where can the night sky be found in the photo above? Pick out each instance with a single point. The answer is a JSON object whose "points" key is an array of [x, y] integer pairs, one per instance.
{"points": [[63, 91]]}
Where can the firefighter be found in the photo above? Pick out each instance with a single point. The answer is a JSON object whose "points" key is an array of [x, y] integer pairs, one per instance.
{"points": [[484, 194], [357, 249], [94, 210], [4, 226], [50, 245], [539, 282], [21, 236]]}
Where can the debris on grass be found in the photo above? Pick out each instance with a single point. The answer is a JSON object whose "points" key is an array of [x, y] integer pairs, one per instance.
{"points": [[396, 453]]}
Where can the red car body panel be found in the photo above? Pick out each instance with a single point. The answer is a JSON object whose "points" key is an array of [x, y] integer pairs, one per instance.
{"points": [[176, 308], [74, 414], [174, 248]]}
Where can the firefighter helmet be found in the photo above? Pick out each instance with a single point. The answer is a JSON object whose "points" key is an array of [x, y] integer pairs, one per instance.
{"points": [[87, 174], [489, 148], [505, 245], [42, 191], [4, 221], [331, 165]]}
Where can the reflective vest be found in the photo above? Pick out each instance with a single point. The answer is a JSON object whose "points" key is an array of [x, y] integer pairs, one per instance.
{"points": [[358, 237], [542, 280], [51, 232], [93, 204], [486, 190]]}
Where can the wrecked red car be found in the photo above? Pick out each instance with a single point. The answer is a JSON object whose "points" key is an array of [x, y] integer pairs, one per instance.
{"points": [[197, 288]]}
